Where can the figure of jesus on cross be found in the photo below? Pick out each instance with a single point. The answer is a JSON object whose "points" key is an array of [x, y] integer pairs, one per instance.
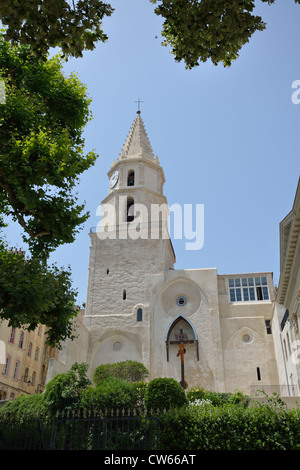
{"points": [[182, 340]]}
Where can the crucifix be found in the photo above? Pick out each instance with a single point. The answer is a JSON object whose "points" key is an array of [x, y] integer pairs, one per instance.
{"points": [[182, 340], [138, 103]]}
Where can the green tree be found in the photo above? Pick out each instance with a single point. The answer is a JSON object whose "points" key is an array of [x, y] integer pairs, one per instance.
{"points": [[32, 292], [198, 30], [41, 160], [73, 25]]}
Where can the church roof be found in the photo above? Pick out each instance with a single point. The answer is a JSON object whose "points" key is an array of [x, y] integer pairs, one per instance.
{"points": [[137, 143]]}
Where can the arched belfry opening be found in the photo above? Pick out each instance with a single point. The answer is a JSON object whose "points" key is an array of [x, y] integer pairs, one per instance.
{"points": [[130, 209], [130, 178], [181, 331]]}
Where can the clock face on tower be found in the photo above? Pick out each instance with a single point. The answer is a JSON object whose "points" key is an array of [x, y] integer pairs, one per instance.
{"points": [[114, 179]]}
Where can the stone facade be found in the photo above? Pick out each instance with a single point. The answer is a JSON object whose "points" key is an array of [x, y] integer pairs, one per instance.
{"points": [[286, 318], [140, 308]]}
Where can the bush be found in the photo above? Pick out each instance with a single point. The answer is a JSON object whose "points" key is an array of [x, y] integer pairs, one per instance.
{"points": [[230, 427], [63, 392], [164, 393], [131, 371], [218, 399], [24, 404], [111, 393], [195, 393]]}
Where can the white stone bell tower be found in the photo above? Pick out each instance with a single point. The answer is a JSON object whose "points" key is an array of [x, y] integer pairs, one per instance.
{"points": [[128, 250]]}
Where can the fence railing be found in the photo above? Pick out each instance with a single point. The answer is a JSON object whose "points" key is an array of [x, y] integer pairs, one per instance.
{"points": [[281, 390], [101, 431]]}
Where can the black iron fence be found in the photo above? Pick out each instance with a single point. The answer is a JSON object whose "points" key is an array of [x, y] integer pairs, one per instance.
{"points": [[80, 431]]}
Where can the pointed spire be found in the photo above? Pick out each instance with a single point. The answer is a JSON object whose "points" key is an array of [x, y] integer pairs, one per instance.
{"points": [[137, 143]]}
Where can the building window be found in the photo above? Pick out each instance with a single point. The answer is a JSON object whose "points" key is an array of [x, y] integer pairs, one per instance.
{"points": [[12, 335], [6, 368], [181, 301], [21, 340], [284, 319], [16, 371], [130, 179], [258, 373], [29, 350], [248, 289], [268, 327], [124, 294], [139, 314], [36, 356], [26, 375], [130, 209]]}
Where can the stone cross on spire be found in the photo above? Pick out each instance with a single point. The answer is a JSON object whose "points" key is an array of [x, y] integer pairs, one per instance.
{"points": [[138, 103]]}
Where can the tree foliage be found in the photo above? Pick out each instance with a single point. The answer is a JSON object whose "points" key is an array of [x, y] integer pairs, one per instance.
{"points": [[41, 147], [32, 292], [73, 25], [198, 30], [41, 160]]}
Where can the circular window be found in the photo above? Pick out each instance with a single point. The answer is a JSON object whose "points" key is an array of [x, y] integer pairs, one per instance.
{"points": [[181, 300], [117, 346], [246, 338]]}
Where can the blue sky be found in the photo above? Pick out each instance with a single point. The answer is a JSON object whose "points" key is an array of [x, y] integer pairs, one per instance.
{"points": [[226, 138]]}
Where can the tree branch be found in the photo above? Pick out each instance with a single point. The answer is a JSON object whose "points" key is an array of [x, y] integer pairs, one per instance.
{"points": [[14, 202]]}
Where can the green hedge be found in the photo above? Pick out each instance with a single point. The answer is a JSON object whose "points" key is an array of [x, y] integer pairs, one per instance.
{"points": [[230, 427], [111, 393]]}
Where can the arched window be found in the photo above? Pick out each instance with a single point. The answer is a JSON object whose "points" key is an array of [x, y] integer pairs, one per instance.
{"points": [[130, 209], [26, 374], [21, 340], [130, 178], [181, 330], [139, 314]]}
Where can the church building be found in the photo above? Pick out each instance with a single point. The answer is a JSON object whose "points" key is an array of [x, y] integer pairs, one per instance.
{"points": [[199, 327]]}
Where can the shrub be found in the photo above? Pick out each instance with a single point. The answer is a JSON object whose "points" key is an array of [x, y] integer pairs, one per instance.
{"points": [[131, 371], [64, 391], [230, 427], [111, 393], [164, 393], [24, 404], [218, 399], [195, 393]]}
